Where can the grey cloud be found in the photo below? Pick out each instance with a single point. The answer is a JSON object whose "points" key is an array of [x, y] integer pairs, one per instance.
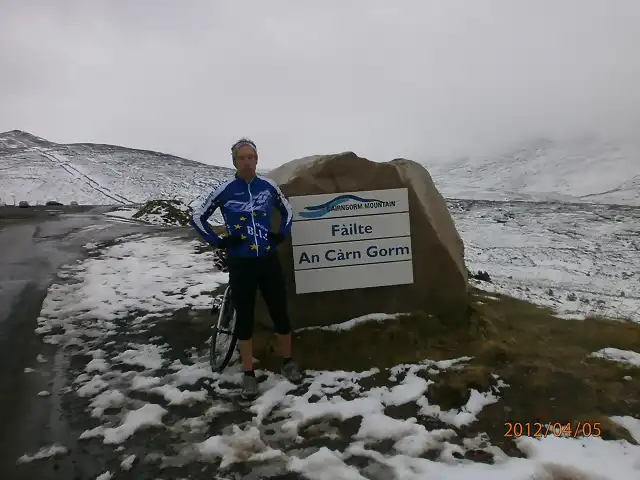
{"points": [[412, 78]]}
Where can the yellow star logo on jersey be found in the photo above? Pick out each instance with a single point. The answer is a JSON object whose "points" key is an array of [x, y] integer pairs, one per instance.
{"points": [[264, 214], [268, 247], [254, 246], [254, 213], [243, 218], [243, 237], [238, 227]]}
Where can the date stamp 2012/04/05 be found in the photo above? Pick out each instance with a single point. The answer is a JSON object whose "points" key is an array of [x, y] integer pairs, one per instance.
{"points": [[552, 429]]}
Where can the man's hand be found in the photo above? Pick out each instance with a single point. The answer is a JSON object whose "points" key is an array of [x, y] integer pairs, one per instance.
{"points": [[230, 242], [275, 238]]}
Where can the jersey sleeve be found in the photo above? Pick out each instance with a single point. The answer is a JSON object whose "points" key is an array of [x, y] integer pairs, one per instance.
{"points": [[203, 212]]}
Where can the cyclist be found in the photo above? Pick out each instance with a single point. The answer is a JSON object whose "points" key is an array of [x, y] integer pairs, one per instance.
{"points": [[245, 202]]}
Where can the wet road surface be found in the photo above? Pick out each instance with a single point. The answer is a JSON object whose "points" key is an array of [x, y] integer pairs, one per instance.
{"points": [[31, 251]]}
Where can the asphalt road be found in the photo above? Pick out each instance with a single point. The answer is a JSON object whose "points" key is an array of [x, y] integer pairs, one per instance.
{"points": [[34, 243], [9, 212]]}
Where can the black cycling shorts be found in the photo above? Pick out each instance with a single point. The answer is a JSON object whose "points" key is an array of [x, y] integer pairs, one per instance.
{"points": [[246, 275]]}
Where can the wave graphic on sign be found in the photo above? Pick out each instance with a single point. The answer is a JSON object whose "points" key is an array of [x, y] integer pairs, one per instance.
{"points": [[316, 211]]}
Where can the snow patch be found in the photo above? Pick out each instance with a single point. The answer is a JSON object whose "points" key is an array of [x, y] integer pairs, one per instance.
{"points": [[631, 424], [105, 400], [153, 275], [149, 415], [127, 462], [125, 213], [44, 452], [628, 357], [349, 324], [92, 387], [175, 396], [466, 415], [148, 356], [97, 365]]}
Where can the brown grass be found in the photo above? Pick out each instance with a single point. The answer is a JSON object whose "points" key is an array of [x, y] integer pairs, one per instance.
{"points": [[543, 359]]}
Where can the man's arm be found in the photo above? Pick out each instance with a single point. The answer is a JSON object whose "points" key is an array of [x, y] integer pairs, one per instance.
{"points": [[284, 207], [201, 214]]}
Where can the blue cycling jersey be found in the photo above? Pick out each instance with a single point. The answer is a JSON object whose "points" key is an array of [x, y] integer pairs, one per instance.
{"points": [[246, 209]]}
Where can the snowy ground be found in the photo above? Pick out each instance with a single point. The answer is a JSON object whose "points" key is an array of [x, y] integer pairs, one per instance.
{"points": [[151, 406], [123, 213], [579, 259]]}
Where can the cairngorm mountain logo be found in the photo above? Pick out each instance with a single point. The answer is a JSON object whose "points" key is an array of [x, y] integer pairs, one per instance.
{"points": [[345, 202]]}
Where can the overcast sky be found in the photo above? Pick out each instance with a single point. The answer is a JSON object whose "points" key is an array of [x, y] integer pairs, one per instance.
{"points": [[412, 78]]}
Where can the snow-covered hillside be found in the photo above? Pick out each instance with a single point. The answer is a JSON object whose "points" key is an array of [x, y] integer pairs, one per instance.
{"points": [[36, 170], [584, 169], [579, 170]]}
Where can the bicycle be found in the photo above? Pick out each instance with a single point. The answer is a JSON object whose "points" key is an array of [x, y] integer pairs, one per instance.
{"points": [[219, 358]]}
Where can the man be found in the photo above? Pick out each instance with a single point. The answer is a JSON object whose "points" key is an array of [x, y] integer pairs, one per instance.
{"points": [[245, 202]]}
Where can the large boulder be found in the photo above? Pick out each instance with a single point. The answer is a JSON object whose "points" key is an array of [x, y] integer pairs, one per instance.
{"points": [[440, 276]]}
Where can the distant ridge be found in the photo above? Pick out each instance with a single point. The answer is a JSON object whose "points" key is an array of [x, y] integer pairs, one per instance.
{"points": [[37, 170]]}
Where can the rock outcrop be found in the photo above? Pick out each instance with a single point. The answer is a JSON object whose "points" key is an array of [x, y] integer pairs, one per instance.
{"points": [[440, 276], [164, 212]]}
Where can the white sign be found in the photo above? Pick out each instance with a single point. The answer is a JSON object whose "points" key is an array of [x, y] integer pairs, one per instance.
{"points": [[350, 228], [351, 240], [330, 205], [361, 252]]}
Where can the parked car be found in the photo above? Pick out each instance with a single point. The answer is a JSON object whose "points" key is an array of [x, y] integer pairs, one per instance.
{"points": [[74, 204], [52, 203], [23, 204]]}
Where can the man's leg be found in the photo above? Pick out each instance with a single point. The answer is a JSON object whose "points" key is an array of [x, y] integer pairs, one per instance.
{"points": [[284, 344], [246, 354], [244, 283], [271, 284]]}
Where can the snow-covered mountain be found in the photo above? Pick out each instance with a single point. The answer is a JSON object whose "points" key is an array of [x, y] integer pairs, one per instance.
{"points": [[579, 170], [36, 170], [584, 169]]}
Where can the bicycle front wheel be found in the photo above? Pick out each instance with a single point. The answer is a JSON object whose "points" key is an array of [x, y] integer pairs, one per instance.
{"points": [[223, 339]]}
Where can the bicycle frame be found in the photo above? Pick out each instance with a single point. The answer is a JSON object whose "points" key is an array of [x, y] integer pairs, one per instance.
{"points": [[222, 326], [223, 310]]}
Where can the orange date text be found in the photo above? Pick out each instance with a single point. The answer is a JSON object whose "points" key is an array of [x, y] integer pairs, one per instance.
{"points": [[552, 429]]}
